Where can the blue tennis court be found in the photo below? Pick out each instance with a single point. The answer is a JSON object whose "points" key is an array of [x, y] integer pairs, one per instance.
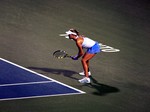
{"points": [[17, 82]]}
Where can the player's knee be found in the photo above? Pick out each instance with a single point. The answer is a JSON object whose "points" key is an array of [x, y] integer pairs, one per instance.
{"points": [[83, 60]]}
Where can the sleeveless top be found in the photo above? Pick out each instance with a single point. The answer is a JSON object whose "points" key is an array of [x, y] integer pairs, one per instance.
{"points": [[87, 42]]}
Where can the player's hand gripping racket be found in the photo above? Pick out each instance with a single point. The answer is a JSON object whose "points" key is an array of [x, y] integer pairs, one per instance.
{"points": [[59, 54]]}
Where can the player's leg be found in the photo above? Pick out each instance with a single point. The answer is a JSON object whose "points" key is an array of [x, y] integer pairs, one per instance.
{"points": [[88, 65], [91, 52], [85, 62], [82, 73]]}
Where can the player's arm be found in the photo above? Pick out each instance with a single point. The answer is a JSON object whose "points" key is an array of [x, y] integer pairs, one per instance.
{"points": [[79, 45]]}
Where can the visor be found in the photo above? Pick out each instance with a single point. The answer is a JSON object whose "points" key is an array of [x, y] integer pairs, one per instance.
{"points": [[67, 34], [70, 32]]}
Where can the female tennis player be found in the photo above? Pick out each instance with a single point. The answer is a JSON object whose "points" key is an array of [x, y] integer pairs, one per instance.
{"points": [[92, 49]]}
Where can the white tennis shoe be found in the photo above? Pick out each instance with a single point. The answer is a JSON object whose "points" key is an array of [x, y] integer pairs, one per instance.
{"points": [[85, 80], [82, 73]]}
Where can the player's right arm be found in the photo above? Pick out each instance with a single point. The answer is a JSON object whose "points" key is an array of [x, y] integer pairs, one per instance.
{"points": [[79, 42]]}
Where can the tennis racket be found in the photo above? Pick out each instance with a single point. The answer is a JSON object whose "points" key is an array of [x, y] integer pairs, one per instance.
{"points": [[59, 54]]}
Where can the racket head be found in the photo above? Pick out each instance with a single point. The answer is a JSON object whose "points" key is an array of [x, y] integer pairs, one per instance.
{"points": [[59, 54]]}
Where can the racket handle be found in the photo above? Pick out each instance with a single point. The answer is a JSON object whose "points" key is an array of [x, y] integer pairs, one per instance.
{"points": [[68, 56]]}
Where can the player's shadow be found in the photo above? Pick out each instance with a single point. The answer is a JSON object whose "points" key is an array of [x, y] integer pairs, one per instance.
{"points": [[45, 71], [101, 89]]}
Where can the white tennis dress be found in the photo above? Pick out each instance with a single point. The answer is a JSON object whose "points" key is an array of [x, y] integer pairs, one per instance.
{"points": [[87, 42]]}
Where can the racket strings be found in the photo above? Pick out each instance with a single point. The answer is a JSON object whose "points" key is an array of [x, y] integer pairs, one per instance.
{"points": [[60, 54]]}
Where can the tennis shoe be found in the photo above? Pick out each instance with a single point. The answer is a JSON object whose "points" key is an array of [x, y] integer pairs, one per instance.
{"points": [[82, 73], [85, 80]]}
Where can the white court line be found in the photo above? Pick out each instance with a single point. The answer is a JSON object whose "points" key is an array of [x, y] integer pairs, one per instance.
{"points": [[38, 96], [28, 83], [81, 92]]}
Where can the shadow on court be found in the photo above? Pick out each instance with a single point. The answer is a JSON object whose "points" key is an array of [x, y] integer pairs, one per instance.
{"points": [[66, 73], [101, 89]]}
